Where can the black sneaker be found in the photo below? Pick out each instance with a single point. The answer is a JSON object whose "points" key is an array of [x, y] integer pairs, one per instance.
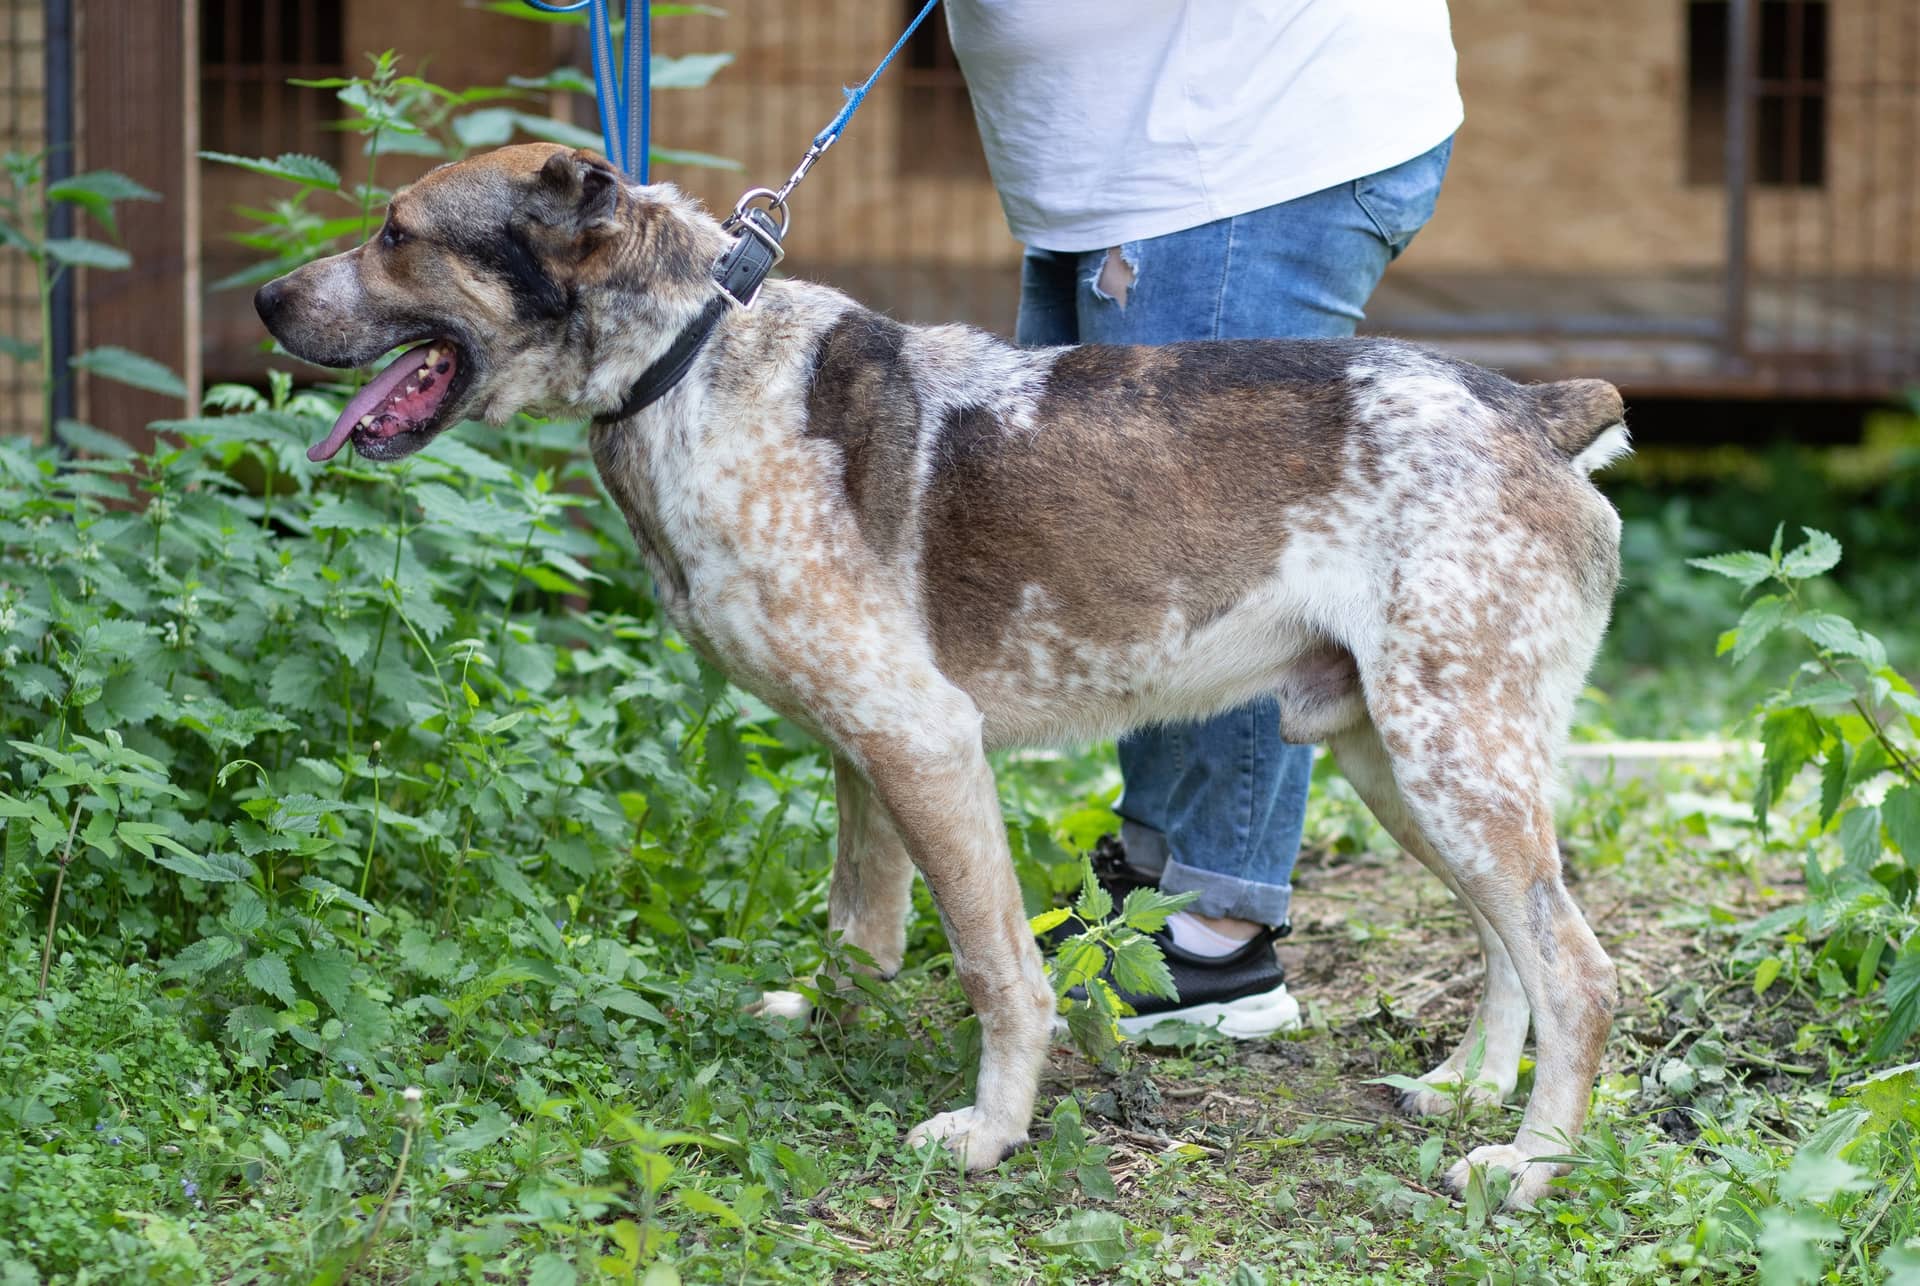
{"points": [[1242, 995]]}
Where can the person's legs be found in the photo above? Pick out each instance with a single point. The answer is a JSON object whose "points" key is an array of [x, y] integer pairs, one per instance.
{"points": [[1217, 807], [1048, 308]]}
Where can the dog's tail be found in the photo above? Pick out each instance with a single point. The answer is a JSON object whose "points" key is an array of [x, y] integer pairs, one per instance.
{"points": [[1585, 421]]}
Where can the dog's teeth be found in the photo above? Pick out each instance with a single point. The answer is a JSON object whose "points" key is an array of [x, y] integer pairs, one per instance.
{"points": [[366, 421], [424, 368]]}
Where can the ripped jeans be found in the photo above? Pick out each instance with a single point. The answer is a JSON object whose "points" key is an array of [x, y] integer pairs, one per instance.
{"points": [[1217, 807]]}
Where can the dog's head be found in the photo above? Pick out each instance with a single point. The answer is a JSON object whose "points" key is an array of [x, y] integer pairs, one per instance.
{"points": [[531, 278]]}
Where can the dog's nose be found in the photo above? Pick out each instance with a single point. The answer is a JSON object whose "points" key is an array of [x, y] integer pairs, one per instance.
{"points": [[268, 299]]}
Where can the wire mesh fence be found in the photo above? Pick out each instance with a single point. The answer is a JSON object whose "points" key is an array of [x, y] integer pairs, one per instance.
{"points": [[23, 119]]}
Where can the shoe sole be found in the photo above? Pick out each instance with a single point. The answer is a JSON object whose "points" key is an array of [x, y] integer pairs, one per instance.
{"points": [[1248, 1018]]}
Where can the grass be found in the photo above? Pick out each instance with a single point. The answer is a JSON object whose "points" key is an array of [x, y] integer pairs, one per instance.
{"points": [[706, 1145]]}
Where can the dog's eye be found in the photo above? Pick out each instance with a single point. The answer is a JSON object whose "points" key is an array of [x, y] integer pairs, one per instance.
{"points": [[393, 236]]}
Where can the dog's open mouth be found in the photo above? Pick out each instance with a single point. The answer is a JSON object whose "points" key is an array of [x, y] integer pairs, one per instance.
{"points": [[402, 408]]}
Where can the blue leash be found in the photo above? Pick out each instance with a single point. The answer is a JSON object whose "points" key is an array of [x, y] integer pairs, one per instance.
{"points": [[624, 113], [624, 120], [824, 139]]}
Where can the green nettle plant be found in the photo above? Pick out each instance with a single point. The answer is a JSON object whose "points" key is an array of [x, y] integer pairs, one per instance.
{"points": [[381, 797], [25, 218], [1848, 712], [408, 116]]}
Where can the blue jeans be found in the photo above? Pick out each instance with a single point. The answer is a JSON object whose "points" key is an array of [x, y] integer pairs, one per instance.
{"points": [[1217, 807]]}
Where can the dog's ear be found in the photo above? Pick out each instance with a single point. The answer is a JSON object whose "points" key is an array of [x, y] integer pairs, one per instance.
{"points": [[577, 191]]}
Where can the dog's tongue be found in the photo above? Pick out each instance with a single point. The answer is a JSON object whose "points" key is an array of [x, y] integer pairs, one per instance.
{"points": [[366, 401]]}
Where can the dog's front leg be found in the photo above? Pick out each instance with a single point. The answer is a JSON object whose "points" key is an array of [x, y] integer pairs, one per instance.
{"points": [[939, 790], [872, 884]]}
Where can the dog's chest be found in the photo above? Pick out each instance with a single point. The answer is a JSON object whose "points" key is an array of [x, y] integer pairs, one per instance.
{"points": [[756, 560]]}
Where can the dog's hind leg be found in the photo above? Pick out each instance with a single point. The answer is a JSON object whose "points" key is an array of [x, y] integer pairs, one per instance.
{"points": [[871, 890], [1471, 726], [938, 788], [1502, 1016]]}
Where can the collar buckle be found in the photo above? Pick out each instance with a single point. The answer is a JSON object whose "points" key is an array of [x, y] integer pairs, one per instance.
{"points": [[744, 267]]}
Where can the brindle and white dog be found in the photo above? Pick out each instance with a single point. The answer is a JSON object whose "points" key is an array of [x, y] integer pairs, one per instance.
{"points": [[922, 543]]}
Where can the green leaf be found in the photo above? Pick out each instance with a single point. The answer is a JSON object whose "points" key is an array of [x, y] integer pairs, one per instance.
{"points": [[1094, 903], [1078, 962], [1147, 909], [203, 956], [709, 1205], [1762, 617], [1889, 1096], [1901, 812], [549, 130], [103, 185], [1869, 761], [1792, 738], [122, 366], [1096, 1237], [688, 71], [34, 682], [1903, 1004], [269, 972], [1818, 554], [1819, 1177], [1764, 976], [1140, 970], [680, 156], [1860, 839], [309, 171], [1823, 691], [84, 437], [1792, 1247], [297, 683], [1833, 781], [131, 698], [340, 513], [1833, 633], [327, 891], [552, 1270], [329, 973], [508, 877], [79, 252], [96, 191], [214, 868], [1744, 566], [622, 1001], [1048, 921], [488, 127]]}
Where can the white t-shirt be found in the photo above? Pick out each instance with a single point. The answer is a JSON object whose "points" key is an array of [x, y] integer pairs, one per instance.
{"points": [[1116, 120]]}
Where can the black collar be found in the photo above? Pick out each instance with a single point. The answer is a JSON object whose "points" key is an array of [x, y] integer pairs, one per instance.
{"points": [[671, 367]]}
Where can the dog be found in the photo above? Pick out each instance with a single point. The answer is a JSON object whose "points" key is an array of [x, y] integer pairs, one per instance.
{"points": [[922, 543]]}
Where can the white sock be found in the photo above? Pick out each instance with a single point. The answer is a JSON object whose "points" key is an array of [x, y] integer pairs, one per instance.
{"points": [[1189, 934]]}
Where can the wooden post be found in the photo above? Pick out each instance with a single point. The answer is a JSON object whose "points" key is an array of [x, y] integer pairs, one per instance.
{"points": [[139, 76]]}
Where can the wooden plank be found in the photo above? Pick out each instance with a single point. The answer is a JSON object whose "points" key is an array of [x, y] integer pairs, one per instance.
{"points": [[136, 67]]}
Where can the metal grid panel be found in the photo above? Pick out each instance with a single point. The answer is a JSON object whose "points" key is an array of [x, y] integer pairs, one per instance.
{"points": [[22, 129]]}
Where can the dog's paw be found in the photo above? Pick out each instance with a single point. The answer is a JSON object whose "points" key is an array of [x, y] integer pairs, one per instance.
{"points": [[1446, 1091], [790, 1005], [979, 1142], [1529, 1178]]}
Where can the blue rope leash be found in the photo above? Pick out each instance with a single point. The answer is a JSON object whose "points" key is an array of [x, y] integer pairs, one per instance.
{"points": [[625, 110], [624, 124], [857, 95]]}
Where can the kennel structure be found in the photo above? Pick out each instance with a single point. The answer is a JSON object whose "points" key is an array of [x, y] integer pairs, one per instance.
{"points": [[1693, 198]]}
